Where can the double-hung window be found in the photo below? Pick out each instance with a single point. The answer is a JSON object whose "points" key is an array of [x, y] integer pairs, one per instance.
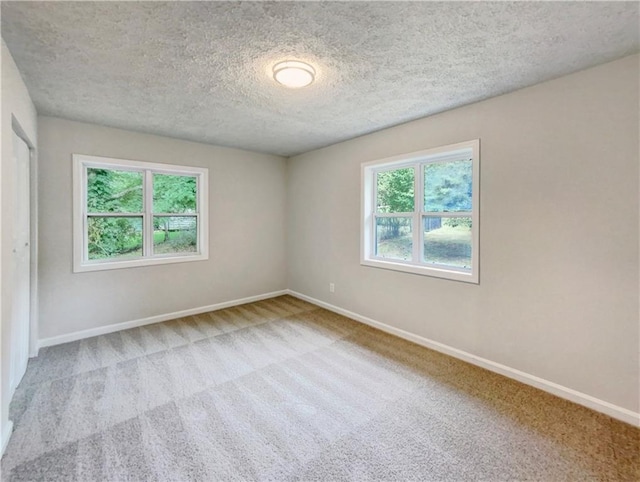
{"points": [[420, 212], [133, 213]]}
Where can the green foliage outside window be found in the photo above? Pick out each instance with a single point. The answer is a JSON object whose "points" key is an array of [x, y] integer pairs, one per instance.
{"points": [[447, 189], [395, 191], [395, 195], [174, 194], [114, 191], [447, 186], [111, 191]]}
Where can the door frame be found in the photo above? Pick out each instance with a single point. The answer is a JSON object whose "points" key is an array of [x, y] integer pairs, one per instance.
{"points": [[33, 235]]}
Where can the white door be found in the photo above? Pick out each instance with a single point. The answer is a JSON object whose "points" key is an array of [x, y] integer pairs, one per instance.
{"points": [[21, 263]]}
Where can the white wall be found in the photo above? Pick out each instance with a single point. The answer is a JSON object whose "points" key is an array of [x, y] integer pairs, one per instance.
{"points": [[247, 239], [558, 292], [16, 108]]}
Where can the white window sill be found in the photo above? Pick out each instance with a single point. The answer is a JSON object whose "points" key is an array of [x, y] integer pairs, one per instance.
{"points": [[135, 263], [436, 272]]}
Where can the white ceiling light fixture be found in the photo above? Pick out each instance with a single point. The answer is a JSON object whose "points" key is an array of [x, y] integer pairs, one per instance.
{"points": [[293, 74]]}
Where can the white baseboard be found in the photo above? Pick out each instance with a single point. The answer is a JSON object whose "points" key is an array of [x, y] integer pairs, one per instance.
{"points": [[7, 430], [575, 396], [103, 330]]}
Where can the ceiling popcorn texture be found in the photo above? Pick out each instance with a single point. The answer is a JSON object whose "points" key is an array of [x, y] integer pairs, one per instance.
{"points": [[202, 70]]}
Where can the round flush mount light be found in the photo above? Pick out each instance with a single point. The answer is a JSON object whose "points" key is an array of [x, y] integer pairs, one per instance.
{"points": [[293, 74]]}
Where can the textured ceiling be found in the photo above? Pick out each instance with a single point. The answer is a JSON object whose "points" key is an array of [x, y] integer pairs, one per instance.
{"points": [[201, 70]]}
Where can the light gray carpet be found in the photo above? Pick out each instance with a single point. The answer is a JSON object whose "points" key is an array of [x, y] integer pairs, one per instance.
{"points": [[282, 390]]}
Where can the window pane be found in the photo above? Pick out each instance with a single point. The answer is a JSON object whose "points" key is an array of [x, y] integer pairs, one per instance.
{"points": [[111, 191], [447, 186], [394, 238], [174, 194], [395, 191], [175, 234], [447, 241], [114, 237]]}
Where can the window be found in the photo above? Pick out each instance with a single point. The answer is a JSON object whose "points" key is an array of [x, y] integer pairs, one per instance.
{"points": [[132, 213], [420, 212]]}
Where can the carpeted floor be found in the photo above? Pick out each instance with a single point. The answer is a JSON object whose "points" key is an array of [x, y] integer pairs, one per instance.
{"points": [[282, 390]]}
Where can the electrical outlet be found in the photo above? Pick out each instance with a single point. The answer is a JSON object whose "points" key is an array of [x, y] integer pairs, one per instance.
{"points": [[332, 288]]}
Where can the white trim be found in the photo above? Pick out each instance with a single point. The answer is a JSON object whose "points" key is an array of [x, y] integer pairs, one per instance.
{"points": [[435, 271], [427, 155], [132, 165], [417, 161], [395, 215], [566, 393], [81, 262], [147, 220], [7, 431], [103, 330], [33, 229], [101, 265]]}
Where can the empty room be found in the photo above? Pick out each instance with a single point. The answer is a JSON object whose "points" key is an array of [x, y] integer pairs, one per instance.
{"points": [[390, 241]]}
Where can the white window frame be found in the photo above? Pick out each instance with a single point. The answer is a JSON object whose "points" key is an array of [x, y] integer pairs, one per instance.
{"points": [[417, 160], [81, 262]]}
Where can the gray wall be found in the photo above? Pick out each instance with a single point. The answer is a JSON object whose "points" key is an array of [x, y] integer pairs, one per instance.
{"points": [[16, 106], [247, 238], [558, 292]]}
